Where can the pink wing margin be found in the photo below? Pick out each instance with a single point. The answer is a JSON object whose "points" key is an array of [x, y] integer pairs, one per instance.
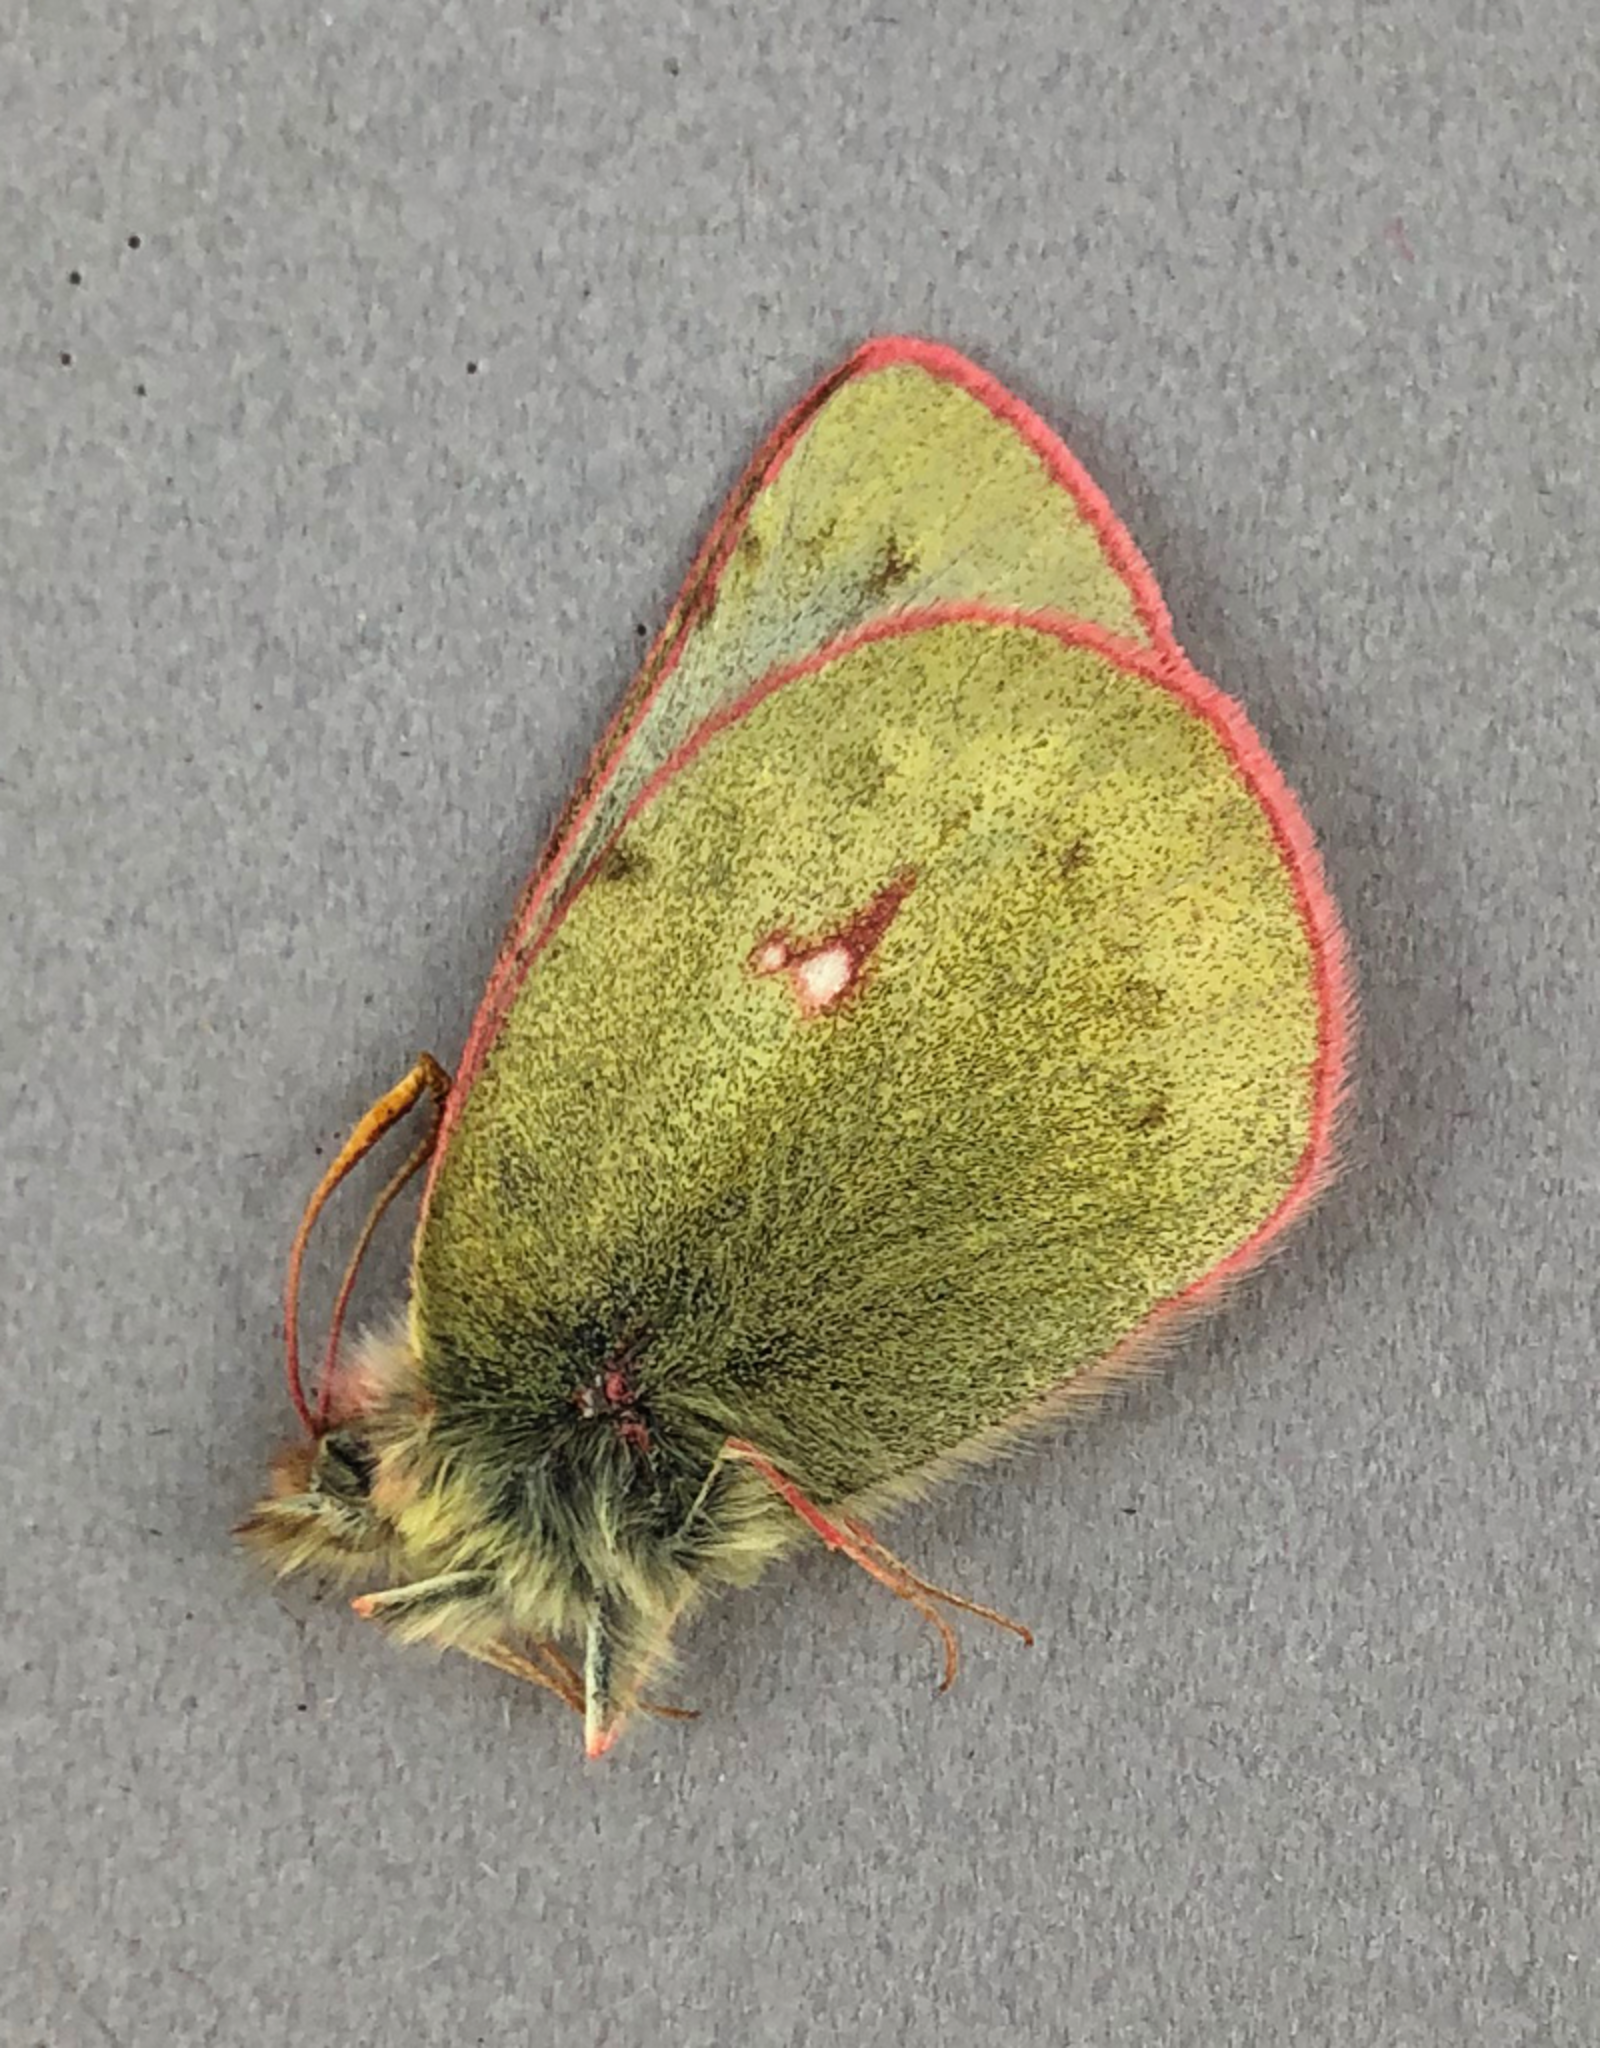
{"points": [[1163, 663]]}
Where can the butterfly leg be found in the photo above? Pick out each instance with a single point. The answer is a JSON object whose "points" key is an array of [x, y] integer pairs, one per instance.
{"points": [[547, 1667], [543, 1666], [858, 1543]]}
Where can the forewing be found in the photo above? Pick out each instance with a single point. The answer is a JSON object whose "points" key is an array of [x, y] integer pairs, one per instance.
{"points": [[945, 1010], [906, 479]]}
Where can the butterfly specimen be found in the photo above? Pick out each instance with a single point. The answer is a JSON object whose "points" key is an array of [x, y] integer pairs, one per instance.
{"points": [[928, 992]]}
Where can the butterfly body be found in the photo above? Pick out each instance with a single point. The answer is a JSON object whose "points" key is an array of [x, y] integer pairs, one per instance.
{"points": [[929, 991]]}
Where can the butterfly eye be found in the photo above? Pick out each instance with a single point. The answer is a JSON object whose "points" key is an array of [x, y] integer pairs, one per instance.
{"points": [[344, 1468]]}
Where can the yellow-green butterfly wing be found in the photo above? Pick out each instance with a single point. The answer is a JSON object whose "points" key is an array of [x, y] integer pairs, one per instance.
{"points": [[944, 1009]]}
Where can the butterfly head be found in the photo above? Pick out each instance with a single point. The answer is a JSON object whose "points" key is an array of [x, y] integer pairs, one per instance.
{"points": [[596, 1522]]}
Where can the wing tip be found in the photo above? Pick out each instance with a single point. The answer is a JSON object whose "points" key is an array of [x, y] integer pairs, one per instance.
{"points": [[951, 366]]}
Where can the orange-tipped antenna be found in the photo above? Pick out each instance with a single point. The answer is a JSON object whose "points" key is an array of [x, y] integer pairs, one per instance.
{"points": [[859, 1544], [426, 1077], [421, 1153]]}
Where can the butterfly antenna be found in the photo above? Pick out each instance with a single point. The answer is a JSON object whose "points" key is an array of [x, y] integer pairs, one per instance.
{"points": [[427, 1077]]}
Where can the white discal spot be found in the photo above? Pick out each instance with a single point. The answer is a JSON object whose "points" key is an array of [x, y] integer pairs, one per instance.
{"points": [[822, 973], [824, 977]]}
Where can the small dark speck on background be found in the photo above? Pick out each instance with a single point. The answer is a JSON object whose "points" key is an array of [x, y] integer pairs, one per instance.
{"points": [[673, 67], [135, 241], [74, 277], [472, 369], [140, 391], [66, 359]]}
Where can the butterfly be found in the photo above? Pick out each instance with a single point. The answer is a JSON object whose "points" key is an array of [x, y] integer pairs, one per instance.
{"points": [[929, 993]]}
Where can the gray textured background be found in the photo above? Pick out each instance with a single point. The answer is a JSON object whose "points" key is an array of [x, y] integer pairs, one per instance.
{"points": [[305, 628]]}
